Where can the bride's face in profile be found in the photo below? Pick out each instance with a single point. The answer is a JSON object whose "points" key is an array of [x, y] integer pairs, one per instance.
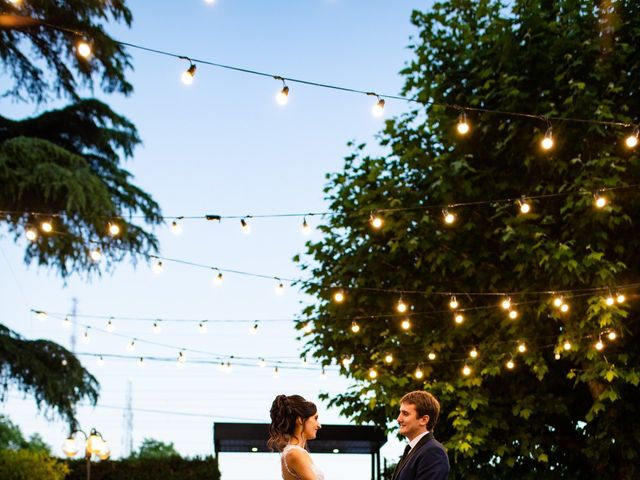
{"points": [[310, 427]]}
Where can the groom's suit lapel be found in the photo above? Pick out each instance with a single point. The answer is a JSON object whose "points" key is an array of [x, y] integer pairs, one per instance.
{"points": [[412, 452]]}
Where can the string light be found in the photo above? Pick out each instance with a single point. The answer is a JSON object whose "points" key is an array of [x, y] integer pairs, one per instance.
{"points": [[188, 75], [453, 303], [449, 218], [46, 226], [280, 289], [217, 280], [463, 126], [466, 371], [612, 335], [339, 296], [557, 302], [306, 228], [401, 306], [114, 229], [246, 228], [323, 374], [566, 345], [31, 234], [431, 356], [158, 267], [458, 318], [373, 373], [355, 328], [176, 228], [632, 140], [66, 323], [157, 329], [202, 327], [547, 142], [308, 328], [600, 201], [182, 359], [86, 338], [473, 353], [276, 372], [282, 97], [96, 255], [388, 358], [141, 363], [599, 345], [254, 329], [406, 324], [525, 207], [506, 304], [131, 346], [564, 308], [110, 326], [522, 347], [41, 315], [513, 314], [100, 361], [620, 298], [378, 109], [376, 221], [346, 361], [262, 363], [304, 362], [83, 48], [510, 364], [419, 373], [609, 300]]}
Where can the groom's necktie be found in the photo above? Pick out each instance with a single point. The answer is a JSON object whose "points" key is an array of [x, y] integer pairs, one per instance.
{"points": [[407, 449]]}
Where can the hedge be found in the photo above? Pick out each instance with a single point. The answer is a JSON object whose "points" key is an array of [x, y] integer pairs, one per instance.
{"points": [[170, 468]]}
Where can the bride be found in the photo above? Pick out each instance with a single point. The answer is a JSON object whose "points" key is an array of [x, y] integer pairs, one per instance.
{"points": [[294, 421]]}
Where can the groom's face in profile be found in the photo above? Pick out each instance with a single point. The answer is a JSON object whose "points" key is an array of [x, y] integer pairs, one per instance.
{"points": [[410, 424]]}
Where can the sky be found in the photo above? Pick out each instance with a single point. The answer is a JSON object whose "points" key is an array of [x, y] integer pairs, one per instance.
{"points": [[219, 146]]}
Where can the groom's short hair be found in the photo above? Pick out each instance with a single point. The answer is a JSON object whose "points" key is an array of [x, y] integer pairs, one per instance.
{"points": [[426, 404]]}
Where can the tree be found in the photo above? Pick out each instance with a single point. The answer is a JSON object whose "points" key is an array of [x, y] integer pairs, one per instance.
{"points": [[23, 464], [151, 448], [63, 168], [11, 438], [559, 413]]}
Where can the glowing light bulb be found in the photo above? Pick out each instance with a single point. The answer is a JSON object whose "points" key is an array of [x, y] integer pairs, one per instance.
{"points": [[522, 348], [86, 338], [158, 267], [141, 363], [217, 280], [96, 255], [254, 329], [610, 300], [401, 306], [202, 327], [449, 218], [306, 228], [510, 364], [40, 315], [620, 298], [453, 304], [557, 302], [406, 324], [280, 289], [463, 126], [276, 373], [187, 75], [458, 318], [46, 226], [556, 356], [31, 234], [564, 308], [506, 304], [599, 345], [378, 109], [100, 361], [612, 335], [338, 296], [131, 346], [600, 201], [566, 345], [84, 49], [262, 363], [66, 323], [323, 374], [525, 207], [466, 371], [419, 373], [373, 373], [355, 328], [110, 326], [388, 358], [114, 229], [513, 314], [473, 353], [246, 228], [376, 221], [308, 328], [182, 359], [282, 97], [346, 361], [431, 356], [64, 362], [157, 329], [632, 140], [176, 229], [547, 142], [304, 362], [228, 369]]}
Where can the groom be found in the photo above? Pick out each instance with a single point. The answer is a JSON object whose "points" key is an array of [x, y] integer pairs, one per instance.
{"points": [[424, 457]]}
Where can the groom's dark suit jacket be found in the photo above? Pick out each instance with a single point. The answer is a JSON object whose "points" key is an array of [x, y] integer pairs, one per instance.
{"points": [[428, 460]]}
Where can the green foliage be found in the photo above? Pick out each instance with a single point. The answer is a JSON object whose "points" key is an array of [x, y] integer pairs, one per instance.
{"points": [[167, 468], [11, 438], [151, 448], [574, 417], [49, 372], [29, 465], [32, 47], [66, 162]]}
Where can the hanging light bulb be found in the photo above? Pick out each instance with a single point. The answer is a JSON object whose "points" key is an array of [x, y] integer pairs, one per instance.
{"points": [[466, 371], [463, 125], [323, 374], [513, 314], [378, 109], [431, 356], [388, 358], [306, 228], [66, 323], [262, 363], [308, 328], [282, 97], [338, 296], [566, 345], [100, 361], [31, 234], [506, 303], [599, 345], [564, 308], [64, 362], [86, 338], [40, 315], [510, 364], [280, 289], [202, 327], [346, 361], [304, 362], [600, 201], [419, 373], [449, 218], [158, 267], [458, 318], [525, 207], [254, 329], [612, 335], [373, 373], [276, 372], [401, 306], [96, 255], [522, 347], [114, 229], [453, 303], [557, 302], [141, 363], [609, 300], [217, 280], [547, 142], [620, 298], [405, 324], [110, 326], [473, 353], [355, 328], [182, 359], [131, 346], [83, 48], [556, 356], [176, 229], [632, 140], [246, 228], [46, 226], [376, 221], [157, 329], [187, 75], [228, 369]]}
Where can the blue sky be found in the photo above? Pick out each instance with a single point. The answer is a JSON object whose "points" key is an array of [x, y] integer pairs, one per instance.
{"points": [[220, 146]]}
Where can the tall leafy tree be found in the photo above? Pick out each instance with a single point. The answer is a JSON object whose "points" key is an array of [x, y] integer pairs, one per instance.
{"points": [[64, 167], [562, 411]]}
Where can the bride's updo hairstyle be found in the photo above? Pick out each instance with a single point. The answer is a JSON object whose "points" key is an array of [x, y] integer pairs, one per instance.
{"points": [[285, 410]]}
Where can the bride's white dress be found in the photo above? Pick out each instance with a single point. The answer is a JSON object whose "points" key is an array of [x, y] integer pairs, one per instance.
{"points": [[319, 475]]}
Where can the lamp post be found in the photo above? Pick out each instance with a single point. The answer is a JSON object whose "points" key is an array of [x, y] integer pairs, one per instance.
{"points": [[94, 444]]}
